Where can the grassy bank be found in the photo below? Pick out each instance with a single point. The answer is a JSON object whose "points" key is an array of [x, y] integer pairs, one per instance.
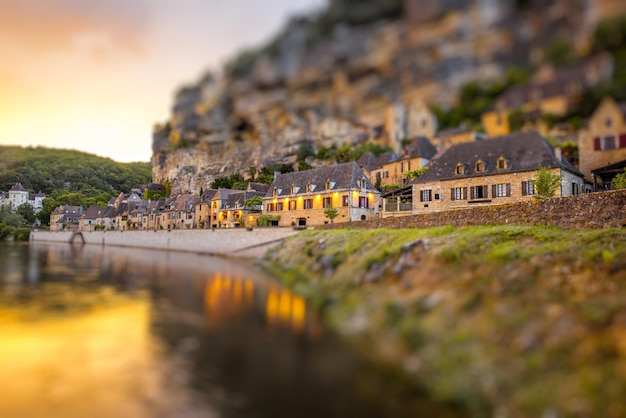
{"points": [[510, 320]]}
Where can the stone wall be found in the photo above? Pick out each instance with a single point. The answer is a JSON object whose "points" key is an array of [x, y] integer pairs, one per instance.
{"points": [[225, 242], [587, 211]]}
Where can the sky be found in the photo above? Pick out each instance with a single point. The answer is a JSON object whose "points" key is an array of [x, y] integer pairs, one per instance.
{"points": [[96, 75]]}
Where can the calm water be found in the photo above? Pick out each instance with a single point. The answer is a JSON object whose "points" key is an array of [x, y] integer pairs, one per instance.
{"points": [[108, 332]]}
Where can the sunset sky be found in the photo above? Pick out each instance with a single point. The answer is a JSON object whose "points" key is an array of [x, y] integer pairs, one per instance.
{"points": [[96, 75]]}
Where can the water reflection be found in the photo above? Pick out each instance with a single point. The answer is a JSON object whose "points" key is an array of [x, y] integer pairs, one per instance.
{"points": [[106, 332]]}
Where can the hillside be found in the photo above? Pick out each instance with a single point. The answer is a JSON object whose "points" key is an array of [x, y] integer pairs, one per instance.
{"points": [[55, 170], [363, 71]]}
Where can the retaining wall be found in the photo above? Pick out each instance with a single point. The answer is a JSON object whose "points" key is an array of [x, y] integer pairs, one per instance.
{"points": [[586, 211], [224, 242]]}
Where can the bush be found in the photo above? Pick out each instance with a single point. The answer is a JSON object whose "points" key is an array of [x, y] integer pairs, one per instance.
{"points": [[546, 183], [21, 234], [266, 220]]}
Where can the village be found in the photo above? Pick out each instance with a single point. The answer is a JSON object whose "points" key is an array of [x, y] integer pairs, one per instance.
{"points": [[436, 170]]}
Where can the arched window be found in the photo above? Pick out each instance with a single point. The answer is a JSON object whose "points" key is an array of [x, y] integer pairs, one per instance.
{"points": [[480, 166], [460, 169], [502, 164]]}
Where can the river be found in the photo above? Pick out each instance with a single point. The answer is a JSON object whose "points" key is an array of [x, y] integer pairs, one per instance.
{"points": [[109, 332]]}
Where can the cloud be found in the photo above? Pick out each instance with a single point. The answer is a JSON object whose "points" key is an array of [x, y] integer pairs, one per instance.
{"points": [[59, 24]]}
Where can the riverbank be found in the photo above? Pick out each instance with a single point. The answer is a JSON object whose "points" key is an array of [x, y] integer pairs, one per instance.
{"points": [[236, 243], [516, 321]]}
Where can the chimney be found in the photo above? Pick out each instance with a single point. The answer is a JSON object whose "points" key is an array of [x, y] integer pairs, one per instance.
{"points": [[558, 153], [276, 174]]}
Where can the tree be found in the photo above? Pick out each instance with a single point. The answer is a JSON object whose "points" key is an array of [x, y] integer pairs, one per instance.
{"points": [[26, 211], [331, 213], [546, 183], [253, 201], [619, 181]]}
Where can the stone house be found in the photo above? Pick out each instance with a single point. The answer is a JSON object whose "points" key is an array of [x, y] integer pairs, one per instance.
{"points": [[300, 198], [371, 164], [550, 91], [235, 213], [89, 219], [203, 209], [457, 135], [492, 172], [65, 217], [107, 217], [603, 143], [416, 154]]}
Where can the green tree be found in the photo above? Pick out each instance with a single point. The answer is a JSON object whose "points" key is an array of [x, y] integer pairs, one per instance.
{"points": [[26, 211], [331, 213], [413, 174], [546, 183], [558, 53], [253, 201], [619, 181]]}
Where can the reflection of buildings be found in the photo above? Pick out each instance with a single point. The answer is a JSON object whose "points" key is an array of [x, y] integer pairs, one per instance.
{"points": [[226, 296]]}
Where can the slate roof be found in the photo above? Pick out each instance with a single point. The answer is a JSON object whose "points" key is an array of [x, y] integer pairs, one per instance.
{"points": [[68, 210], [92, 212], [370, 162], [455, 130], [523, 151], [419, 147], [342, 177], [258, 187], [17, 187], [108, 212], [622, 107]]}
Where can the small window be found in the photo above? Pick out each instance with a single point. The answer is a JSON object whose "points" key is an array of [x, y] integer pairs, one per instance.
{"points": [[327, 202], [345, 202], [363, 202], [275, 191], [480, 166], [501, 190], [327, 184], [459, 169], [308, 203], [502, 164], [426, 195], [308, 187], [293, 205], [279, 206], [293, 188]]}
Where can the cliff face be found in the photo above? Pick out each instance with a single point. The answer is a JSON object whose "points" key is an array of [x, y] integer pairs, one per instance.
{"points": [[350, 78]]}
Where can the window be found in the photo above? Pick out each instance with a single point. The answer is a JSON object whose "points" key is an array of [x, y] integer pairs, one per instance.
{"points": [[385, 174], [293, 205], [480, 166], [308, 203], [327, 202], [609, 142], [345, 200], [501, 190], [608, 122], [308, 187], [459, 169], [270, 207], [426, 195], [275, 191], [575, 188], [363, 202], [502, 164], [405, 166], [458, 193], [279, 206], [528, 188], [327, 185], [293, 189], [479, 192]]}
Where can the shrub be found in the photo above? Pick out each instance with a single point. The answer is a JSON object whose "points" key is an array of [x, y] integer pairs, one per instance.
{"points": [[266, 220], [546, 183], [21, 234]]}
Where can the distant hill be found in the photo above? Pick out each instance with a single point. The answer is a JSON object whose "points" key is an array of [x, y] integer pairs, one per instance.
{"points": [[57, 171]]}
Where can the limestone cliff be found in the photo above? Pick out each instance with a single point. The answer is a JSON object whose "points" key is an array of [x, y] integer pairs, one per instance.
{"points": [[359, 71]]}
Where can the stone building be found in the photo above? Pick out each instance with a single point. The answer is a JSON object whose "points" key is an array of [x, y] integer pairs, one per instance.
{"points": [[416, 154], [492, 172], [603, 143], [65, 217], [300, 198]]}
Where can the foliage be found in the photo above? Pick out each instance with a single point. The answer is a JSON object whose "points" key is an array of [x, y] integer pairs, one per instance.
{"points": [[10, 218], [26, 211], [546, 183], [266, 220], [6, 231], [558, 53], [167, 185], [21, 234], [327, 154], [413, 174], [266, 175], [234, 181], [253, 201], [619, 181], [53, 170], [331, 213], [610, 35], [390, 187], [153, 195]]}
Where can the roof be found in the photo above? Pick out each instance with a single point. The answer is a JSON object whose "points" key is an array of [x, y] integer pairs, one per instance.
{"points": [[68, 210], [622, 108], [343, 177], [93, 212], [369, 161], [259, 187], [456, 130], [17, 187], [522, 151], [419, 147]]}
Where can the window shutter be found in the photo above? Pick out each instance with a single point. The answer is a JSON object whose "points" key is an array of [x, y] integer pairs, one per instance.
{"points": [[596, 144], [622, 141], [472, 193], [508, 190], [493, 190], [452, 194], [485, 192], [421, 195], [524, 188], [464, 193], [430, 195]]}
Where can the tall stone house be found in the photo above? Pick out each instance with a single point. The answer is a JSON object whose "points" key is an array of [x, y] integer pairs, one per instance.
{"points": [[602, 145], [300, 198], [65, 217], [492, 172]]}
